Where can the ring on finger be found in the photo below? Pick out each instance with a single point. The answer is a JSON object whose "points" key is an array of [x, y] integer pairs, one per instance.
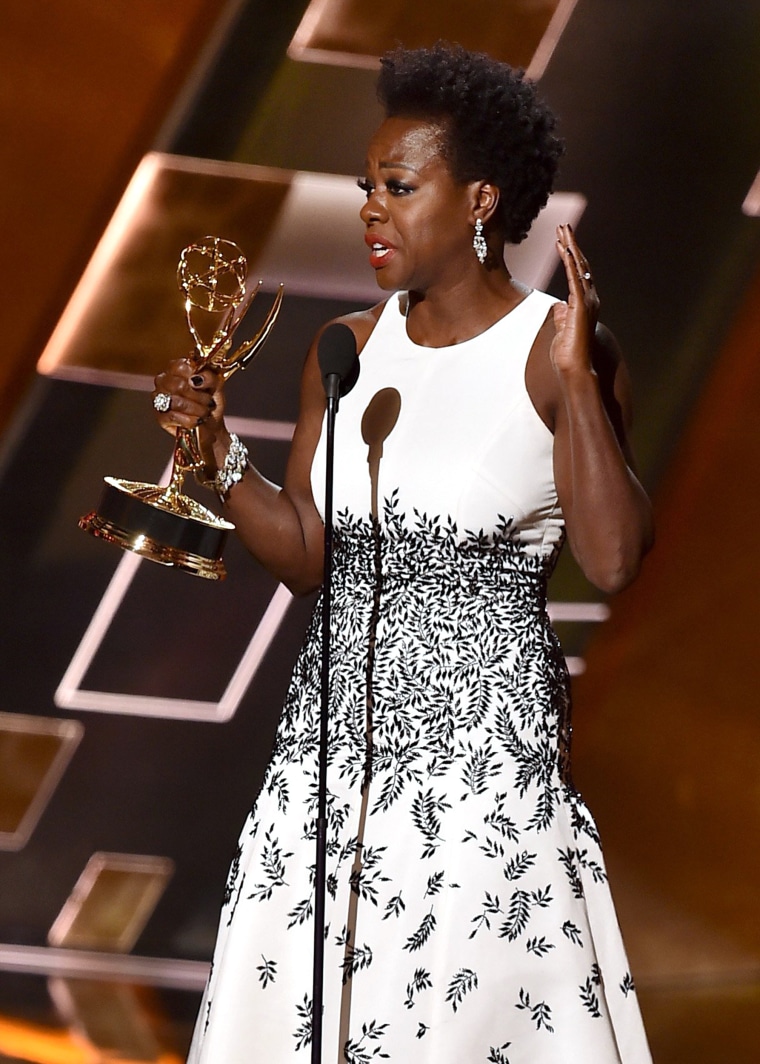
{"points": [[162, 402], [586, 276]]}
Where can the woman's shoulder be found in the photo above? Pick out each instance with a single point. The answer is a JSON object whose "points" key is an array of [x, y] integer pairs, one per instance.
{"points": [[362, 322]]}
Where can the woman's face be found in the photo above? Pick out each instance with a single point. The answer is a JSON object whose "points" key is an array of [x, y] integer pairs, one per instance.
{"points": [[418, 218]]}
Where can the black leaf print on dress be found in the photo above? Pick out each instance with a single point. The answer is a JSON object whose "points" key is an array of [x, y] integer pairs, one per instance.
{"points": [[357, 1051], [519, 865], [491, 906], [572, 932], [356, 958], [628, 986], [366, 879], [517, 916], [426, 816], [273, 867], [496, 1054], [518, 913], [232, 876], [420, 981], [479, 766], [594, 867], [267, 971], [546, 803], [422, 934], [434, 884], [539, 946], [567, 859], [500, 821], [492, 849], [395, 907], [463, 983], [278, 785], [542, 897], [302, 1034], [590, 999], [540, 1013], [301, 912]]}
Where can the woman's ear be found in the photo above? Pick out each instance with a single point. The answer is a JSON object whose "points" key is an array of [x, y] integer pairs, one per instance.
{"points": [[485, 199]]}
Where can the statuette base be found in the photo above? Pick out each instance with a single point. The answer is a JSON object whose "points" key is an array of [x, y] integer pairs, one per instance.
{"points": [[173, 530]]}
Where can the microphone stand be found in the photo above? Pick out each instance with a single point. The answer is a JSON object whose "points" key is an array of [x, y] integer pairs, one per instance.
{"points": [[332, 388]]}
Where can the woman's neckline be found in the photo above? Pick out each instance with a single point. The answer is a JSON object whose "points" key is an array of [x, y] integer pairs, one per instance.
{"points": [[450, 347]]}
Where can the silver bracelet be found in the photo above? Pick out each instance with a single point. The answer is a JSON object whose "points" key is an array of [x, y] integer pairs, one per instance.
{"points": [[234, 467]]}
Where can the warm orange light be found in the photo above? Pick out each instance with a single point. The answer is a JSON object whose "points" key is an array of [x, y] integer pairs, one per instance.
{"points": [[26, 1041], [45, 1045]]}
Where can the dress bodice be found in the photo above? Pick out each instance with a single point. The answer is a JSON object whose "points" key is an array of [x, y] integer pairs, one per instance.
{"points": [[448, 432]]}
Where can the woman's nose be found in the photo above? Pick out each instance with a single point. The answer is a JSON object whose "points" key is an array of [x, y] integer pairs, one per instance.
{"points": [[373, 209]]}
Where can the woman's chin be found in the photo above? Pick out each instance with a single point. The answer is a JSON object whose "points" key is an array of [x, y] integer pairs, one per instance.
{"points": [[386, 281]]}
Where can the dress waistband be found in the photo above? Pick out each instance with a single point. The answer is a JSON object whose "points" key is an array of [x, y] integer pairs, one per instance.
{"points": [[433, 553]]}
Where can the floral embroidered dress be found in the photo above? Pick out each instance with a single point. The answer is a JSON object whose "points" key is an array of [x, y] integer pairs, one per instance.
{"points": [[469, 916]]}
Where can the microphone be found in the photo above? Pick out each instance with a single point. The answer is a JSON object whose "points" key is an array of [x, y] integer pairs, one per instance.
{"points": [[338, 361], [339, 366]]}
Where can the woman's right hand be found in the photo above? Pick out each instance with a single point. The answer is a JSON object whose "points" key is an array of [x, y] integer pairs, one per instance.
{"points": [[196, 401]]}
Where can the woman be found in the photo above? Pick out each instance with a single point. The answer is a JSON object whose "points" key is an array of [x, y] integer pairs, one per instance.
{"points": [[468, 912]]}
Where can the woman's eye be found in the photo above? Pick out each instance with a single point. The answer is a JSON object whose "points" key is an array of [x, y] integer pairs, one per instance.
{"points": [[394, 187]]}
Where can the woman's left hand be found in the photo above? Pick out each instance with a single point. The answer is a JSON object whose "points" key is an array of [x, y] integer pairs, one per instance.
{"points": [[574, 321]]}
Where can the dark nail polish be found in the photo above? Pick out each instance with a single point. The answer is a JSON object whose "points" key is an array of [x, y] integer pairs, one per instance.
{"points": [[196, 381]]}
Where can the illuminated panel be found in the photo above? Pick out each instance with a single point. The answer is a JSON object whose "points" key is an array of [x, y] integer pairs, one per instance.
{"points": [[126, 311], [751, 205], [34, 753], [111, 902], [523, 33]]}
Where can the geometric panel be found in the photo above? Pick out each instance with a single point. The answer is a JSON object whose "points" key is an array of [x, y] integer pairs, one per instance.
{"points": [[111, 902], [34, 753], [522, 33]]}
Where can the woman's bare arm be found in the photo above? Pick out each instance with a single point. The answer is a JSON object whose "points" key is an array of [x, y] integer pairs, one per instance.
{"points": [[584, 386]]}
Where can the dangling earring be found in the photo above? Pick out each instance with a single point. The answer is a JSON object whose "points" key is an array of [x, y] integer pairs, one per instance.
{"points": [[479, 242]]}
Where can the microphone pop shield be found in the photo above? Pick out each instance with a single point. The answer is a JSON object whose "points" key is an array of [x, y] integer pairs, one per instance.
{"points": [[336, 354]]}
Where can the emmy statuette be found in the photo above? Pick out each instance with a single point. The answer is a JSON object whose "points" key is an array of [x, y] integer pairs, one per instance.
{"points": [[161, 523]]}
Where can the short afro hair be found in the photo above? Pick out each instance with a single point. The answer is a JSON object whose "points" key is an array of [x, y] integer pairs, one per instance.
{"points": [[497, 129]]}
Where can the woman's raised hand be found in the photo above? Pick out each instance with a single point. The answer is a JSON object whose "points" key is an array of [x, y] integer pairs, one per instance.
{"points": [[574, 321]]}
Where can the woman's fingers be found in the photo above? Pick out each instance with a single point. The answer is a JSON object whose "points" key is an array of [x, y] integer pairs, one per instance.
{"points": [[580, 279], [184, 397]]}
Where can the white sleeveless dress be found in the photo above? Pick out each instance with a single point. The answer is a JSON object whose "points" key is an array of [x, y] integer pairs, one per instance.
{"points": [[469, 916]]}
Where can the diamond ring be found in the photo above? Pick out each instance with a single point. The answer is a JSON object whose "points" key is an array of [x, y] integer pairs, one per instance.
{"points": [[162, 402]]}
